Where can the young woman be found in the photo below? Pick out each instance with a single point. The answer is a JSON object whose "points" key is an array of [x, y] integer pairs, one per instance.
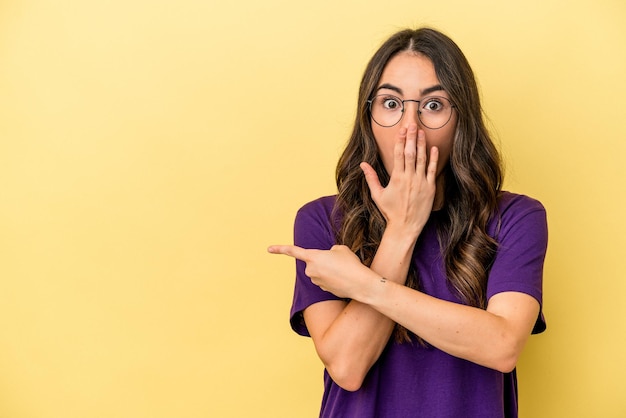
{"points": [[420, 281]]}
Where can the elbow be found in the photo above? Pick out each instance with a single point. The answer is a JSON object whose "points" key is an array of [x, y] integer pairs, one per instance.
{"points": [[346, 377], [346, 369], [506, 364], [349, 383], [508, 356]]}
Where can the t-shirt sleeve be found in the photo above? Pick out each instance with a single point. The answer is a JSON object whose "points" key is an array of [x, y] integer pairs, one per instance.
{"points": [[312, 229], [522, 239]]}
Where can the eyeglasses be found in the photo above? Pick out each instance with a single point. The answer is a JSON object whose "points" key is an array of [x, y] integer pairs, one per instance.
{"points": [[433, 112]]}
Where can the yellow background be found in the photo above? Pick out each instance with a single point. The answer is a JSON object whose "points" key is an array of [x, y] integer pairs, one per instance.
{"points": [[151, 150]]}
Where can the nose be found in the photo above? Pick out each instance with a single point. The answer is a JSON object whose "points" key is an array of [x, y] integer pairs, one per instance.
{"points": [[410, 116]]}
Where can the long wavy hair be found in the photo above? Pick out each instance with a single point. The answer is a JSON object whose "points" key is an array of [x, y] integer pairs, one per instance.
{"points": [[472, 177]]}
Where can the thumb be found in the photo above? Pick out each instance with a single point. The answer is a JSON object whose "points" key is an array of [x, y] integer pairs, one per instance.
{"points": [[371, 177]]}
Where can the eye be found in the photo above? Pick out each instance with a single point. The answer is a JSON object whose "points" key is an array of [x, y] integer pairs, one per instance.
{"points": [[391, 103], [433, 105]]}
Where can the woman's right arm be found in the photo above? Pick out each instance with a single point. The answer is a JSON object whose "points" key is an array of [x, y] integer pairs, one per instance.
{"points": [[350, 336]]}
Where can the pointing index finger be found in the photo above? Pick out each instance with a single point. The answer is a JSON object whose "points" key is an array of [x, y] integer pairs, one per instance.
{"points": [[290, 250]]}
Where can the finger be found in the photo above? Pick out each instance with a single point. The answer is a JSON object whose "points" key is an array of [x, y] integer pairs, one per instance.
{"points": [[373, 182], [410, 147], [431, 173], [421, 152], [290, 250], [398, 151]]}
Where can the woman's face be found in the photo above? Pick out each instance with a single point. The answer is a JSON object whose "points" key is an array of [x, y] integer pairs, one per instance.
{"points": [[411, 76]]}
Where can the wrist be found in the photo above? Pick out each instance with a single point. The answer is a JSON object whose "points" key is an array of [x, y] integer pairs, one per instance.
{"points": [[401, 235], [375, 289]]}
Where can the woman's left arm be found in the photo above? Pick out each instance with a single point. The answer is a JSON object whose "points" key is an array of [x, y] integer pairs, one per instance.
{"points": [[493, 337]]}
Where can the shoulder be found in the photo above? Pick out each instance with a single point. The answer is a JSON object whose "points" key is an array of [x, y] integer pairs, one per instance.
{"points": [[519, 216], [314, 226], [317, 211], [323, 205], [513, 203]]}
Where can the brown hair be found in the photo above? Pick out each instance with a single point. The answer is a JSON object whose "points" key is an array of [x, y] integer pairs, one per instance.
{"points": [[473, 176]]}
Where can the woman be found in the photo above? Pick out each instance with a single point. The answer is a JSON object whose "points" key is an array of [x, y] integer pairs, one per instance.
{"points": [[420, 281]]}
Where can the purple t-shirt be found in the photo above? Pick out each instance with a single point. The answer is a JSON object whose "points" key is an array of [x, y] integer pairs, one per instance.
{"points": [[410, 380]]}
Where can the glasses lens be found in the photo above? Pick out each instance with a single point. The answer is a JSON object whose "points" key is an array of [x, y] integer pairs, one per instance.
{"points": [[386, 110], [435, 112]]}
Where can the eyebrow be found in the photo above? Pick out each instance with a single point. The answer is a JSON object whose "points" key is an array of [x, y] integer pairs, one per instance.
{"points": [[388, 86], [424, 92], [432, 89]]}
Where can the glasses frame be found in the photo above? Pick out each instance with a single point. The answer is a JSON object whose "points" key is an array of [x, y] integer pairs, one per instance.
{"points": [[419, 112]]}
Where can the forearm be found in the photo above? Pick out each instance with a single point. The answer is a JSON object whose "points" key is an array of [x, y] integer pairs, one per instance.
{"points": [[481, 336]]}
